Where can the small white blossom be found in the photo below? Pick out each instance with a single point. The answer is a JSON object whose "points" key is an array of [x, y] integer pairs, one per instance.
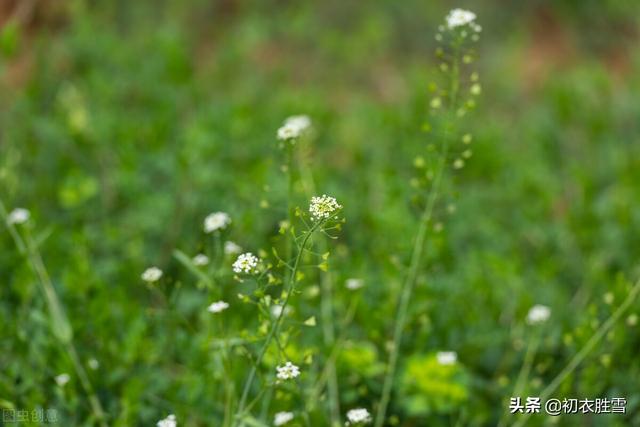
{"points": [[276, 309], [62, 379], [93, 364], [538, 314], [302, 122], [216, 221], [282, 418], [231, 248], [459, 17], [246, 263], [217, 307], [200, 260], [447, 357], [287, 371], [353, 284], [358, 416], [18, 216], [294, 127], [170, 421], [151, 274], [322, 207]]}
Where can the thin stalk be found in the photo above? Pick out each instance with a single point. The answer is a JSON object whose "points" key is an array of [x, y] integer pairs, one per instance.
{"points": [[63, 332], [524, 370], [416, 257], [276, 326], [584, 352], [326, 313]]}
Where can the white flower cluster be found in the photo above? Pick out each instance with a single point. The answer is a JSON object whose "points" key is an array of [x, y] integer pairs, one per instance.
{"points": [[281, 418], [217, 307], [459, 17], [151, 274], [322, 207], [216, 221], [287, 371], [447, 357], [354, 284], [62, 379], [358, 416], [294, 127], [200, 260], [538, 314], [18, 216], [170, 421], [246, 263]]}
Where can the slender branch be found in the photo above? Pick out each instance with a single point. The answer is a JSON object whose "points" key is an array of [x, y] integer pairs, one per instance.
{"points": [[416, 257], [276, 326]]}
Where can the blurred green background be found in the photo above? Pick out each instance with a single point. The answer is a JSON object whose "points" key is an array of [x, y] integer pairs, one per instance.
{"points": [[123, 124]]}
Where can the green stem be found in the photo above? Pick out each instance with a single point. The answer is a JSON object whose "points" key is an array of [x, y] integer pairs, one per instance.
{"points": [[62, 327], [276, 326], [416, 257]]}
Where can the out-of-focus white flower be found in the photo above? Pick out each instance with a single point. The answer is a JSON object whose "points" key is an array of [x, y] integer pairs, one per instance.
{"points": [[246, 263], [358, 416], [276, 309], [62, 379], [302, 122], [538, 314], [216, 221], [217, 307], [170, 421], [459, 17], [151, 274], [321, 207], [294, 127], [353, 284], [287, 371], [288, 132], [93, 364], [447, 357], [18, 216], [200, 260], [282, 418], [231, 248]]}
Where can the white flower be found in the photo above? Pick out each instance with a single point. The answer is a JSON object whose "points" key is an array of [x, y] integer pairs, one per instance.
{"points": [[216, 221], [302, 122], [459, 17], [538, 314], [288, 132], [217, 307], [18, 216], [246, 263], [354, 284], [276, 309], [231, 248], [358, 416], [62, 379], [152, 274], [447, 357], [323, 207], [282, 418], [200, 260], [294, 127], [288, 371], [93, 364], [170, 421]]}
